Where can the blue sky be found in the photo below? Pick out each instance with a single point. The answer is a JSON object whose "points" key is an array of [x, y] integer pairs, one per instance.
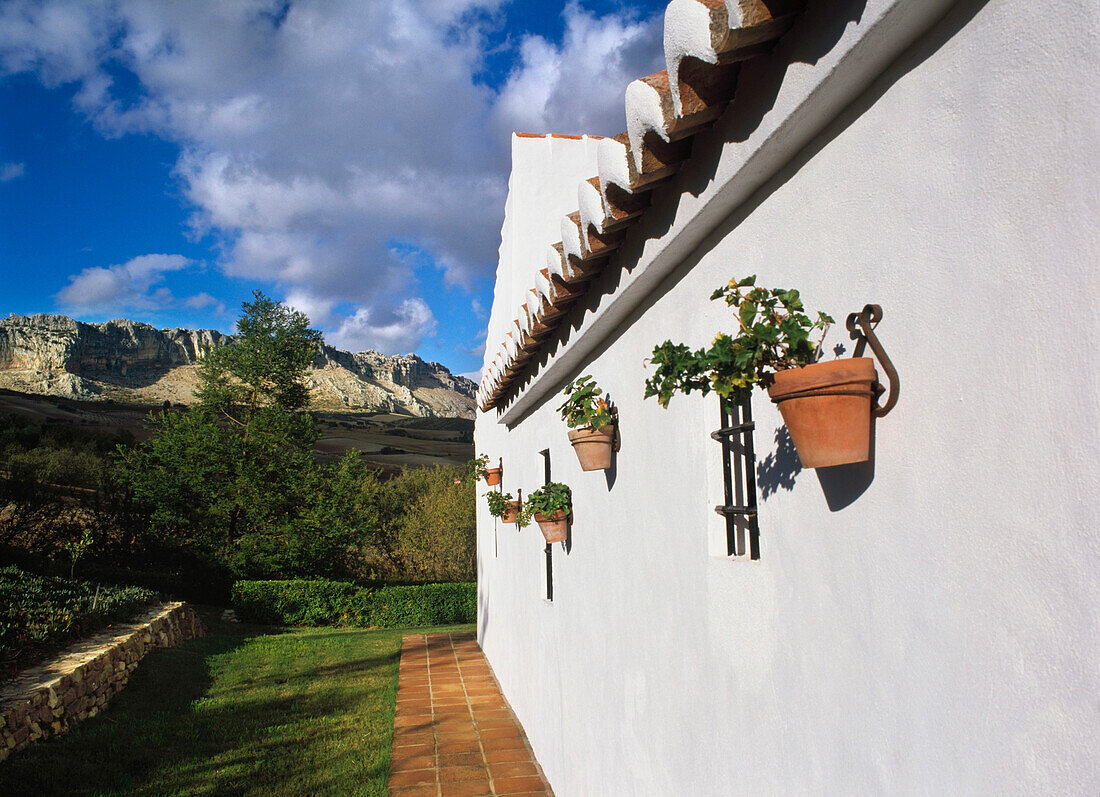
{"points": [[159, 161]]}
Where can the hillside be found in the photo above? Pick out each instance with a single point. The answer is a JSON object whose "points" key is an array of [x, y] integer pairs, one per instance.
{"points": [[129, 361]]}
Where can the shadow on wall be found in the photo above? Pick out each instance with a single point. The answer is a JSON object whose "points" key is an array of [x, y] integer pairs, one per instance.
{"points": [[482, 606], [778, 469], [841, 484], [815, 33], [612, 472]]}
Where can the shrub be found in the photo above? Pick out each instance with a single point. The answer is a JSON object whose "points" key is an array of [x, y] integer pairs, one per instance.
{"points": [[296, 602], [422, 604], [317, 602], [41, 614]]}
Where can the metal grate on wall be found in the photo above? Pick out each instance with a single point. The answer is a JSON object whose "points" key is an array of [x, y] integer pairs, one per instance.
{"points": [[739, 479]]}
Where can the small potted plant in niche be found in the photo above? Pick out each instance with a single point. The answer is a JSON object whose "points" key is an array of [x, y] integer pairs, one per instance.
{"points": [[551, 507], [503, 506], [479, 468], [826, 405], [591, 423]]}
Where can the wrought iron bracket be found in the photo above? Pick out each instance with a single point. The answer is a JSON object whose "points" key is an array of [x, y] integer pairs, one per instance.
{"points": [[861, 327], [730, 431]]}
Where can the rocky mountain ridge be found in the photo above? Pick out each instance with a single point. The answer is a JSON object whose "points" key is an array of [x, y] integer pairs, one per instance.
{"points": [[132, 361]]}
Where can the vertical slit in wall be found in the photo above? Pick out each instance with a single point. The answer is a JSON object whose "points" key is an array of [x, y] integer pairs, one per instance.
{"points": [[549, 548], [496, 521]]}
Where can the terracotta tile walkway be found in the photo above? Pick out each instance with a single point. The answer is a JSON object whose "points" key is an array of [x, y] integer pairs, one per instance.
{"points": [[453, 735]]}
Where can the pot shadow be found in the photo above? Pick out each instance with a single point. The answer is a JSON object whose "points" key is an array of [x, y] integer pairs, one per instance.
{"points": [[612, 472], [843, 484], [779, 469]]}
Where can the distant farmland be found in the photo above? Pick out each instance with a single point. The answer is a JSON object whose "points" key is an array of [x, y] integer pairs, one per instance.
{"points": [[386, 440]]}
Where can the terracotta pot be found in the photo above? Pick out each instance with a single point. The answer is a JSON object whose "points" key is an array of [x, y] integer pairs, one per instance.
{"points": [[511, 512], [492, 476], [827, 409], [593, 446], [553, 528]]}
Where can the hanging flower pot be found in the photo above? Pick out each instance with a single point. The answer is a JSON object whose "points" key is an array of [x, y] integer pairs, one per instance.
{"points": [[511, 512], [502, 506], [827, 409], [593, 446], [591, 421], [551, 506], [477, 468], [555, 527]]}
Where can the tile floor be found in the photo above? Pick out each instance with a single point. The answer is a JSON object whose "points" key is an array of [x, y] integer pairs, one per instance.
{"points": [[454, 736]]}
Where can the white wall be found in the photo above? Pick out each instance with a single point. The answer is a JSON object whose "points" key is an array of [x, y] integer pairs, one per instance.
{"points": [[937, 635], [541, 189]]}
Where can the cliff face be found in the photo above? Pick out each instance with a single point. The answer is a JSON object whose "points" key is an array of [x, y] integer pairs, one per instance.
{"points": [[131, 361]]}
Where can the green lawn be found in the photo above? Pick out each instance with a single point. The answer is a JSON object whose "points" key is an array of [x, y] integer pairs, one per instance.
{"points": [[246, 710]]}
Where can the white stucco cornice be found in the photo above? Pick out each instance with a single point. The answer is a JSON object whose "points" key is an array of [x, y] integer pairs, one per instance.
{"points": [[732, 167]]}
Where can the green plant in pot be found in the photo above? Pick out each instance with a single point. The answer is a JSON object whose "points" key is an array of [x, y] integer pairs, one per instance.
{"points": [[591, 423], [503, 506], [478, 468], [826, 405], [550, 506]]}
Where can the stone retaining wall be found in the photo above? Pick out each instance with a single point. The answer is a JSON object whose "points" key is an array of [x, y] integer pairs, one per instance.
{"points": [[48, 699]]}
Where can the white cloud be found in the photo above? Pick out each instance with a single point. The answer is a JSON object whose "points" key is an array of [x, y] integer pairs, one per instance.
{"points": [[396, 331], [9, 171], [315, 134], [116, 289], [203, 301], [578, 86]]}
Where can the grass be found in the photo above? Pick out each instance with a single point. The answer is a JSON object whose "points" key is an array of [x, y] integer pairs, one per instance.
{"points": [[247, 710]]}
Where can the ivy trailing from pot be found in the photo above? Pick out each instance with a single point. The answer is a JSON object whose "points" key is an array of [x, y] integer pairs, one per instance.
{"points": [[551, 506], [826, 405], [591, 421], [503, 506]]}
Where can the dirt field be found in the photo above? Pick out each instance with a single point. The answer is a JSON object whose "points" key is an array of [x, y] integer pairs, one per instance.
{"points": [[388, 441]]}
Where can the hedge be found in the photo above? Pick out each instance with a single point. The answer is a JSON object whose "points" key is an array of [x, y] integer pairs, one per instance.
{"points": [[296, 602], [319, 602]]}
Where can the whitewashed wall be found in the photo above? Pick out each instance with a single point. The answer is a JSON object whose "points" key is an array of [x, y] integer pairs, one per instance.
{"points": [[542, 188], [936, 633]]}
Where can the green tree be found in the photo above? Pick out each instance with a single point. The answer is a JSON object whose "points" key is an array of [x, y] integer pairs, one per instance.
{"points": [[231, 480], [435, 535]]}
